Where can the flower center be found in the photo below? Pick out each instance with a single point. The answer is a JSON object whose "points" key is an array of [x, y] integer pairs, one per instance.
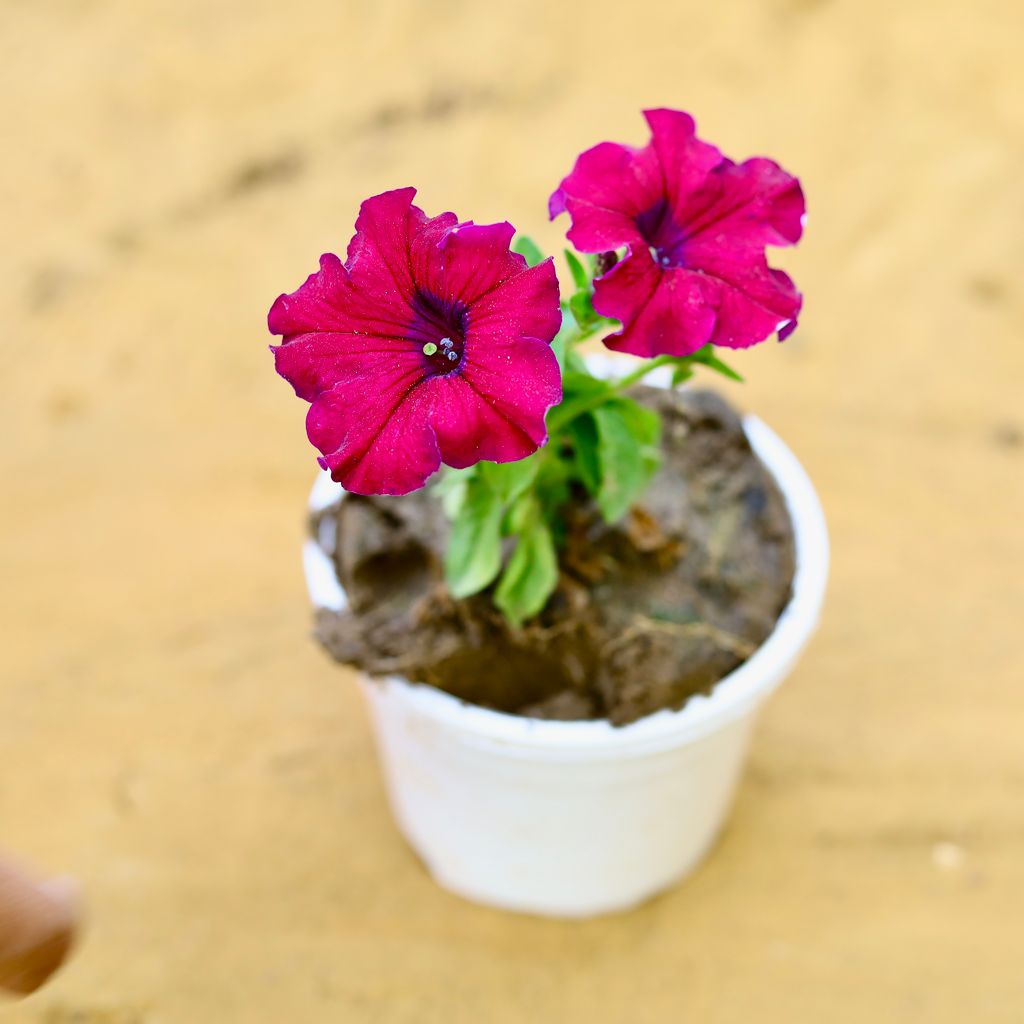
{"points": [[663, 236], [439, 328]]}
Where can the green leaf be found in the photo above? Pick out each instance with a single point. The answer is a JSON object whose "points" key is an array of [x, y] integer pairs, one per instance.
{"points": [[509, 479], [532, 572], [583, 384], [681, 374], [582, 308], [627, 437], [560, 345], [582, 433], [518, 514], [450, 489], [473, 558], [706, 355], [575, 363], [580, 391], [528, 249], [579, 273], [724, 369]]}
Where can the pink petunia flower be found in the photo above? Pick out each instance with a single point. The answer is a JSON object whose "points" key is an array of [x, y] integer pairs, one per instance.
{"points": [[430, 344], [696, 226]]}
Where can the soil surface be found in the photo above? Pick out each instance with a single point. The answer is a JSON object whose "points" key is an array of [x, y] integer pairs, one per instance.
{"points": [[647, 612]]}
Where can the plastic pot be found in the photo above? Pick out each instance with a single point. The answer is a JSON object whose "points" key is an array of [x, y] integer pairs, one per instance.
{"points": [[572, 819]]}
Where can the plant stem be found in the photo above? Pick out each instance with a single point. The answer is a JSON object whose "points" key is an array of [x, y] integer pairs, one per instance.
{"points": [[625, 383], [561, 415]]}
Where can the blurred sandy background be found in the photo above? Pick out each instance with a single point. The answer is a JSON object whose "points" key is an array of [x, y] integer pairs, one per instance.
{"points": [[167, 730]]}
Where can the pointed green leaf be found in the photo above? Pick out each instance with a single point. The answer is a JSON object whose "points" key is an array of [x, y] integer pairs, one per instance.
{"points": [[528, 249], [451, 487], [580, 392], [531, 575], [578, 271], [714, 363], [681, 374], [509, 479], [473, 558], [706, 355], [627, 438], [583, 434], [582, 308]]}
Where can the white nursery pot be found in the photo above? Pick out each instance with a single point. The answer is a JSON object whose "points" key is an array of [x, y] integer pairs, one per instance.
{"points": [[572, 819]]}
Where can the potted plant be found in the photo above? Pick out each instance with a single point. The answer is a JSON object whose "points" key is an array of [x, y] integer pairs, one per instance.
{"points": [[566, 634]]}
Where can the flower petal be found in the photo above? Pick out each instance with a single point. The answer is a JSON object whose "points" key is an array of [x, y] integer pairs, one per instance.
{"points": [[332, 300], [375, 436], [609, 187], [466, 262], [316, 305], [697, 270], [313, 363], [685, 160], [520, 383], [495, 411], [662, 311], [360, 342], [494, 408], [378, 255], [742, 206], [523, 306], [752, 301]]}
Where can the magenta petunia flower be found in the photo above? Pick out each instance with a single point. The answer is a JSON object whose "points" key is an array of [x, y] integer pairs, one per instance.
{"points": [[696, 226], [430, 344]]}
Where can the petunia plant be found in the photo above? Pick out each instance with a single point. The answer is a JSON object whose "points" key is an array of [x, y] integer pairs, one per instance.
{"points": [[440, 341]]}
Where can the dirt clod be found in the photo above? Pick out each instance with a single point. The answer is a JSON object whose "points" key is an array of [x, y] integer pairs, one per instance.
{"points": [[647, 613]]}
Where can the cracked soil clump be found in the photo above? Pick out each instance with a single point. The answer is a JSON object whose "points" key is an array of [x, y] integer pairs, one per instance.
{"points": [[647, 613]]}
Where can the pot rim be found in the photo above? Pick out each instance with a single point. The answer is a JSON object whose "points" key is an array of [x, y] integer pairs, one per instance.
{"points": [[733, 696]]}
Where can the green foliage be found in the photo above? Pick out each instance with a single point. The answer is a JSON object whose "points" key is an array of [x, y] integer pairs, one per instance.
{"points": [[582, 432], [528, 249], [510, 479], [507, 520], [473, 558], [578, 271], [580, 392], [451, 489], [613, 443], [532, 572], [706, 356], [681, 374], [581, 305]]}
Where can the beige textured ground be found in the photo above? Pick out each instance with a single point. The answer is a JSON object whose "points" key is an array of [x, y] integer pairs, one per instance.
{"points": [[167, 730]]}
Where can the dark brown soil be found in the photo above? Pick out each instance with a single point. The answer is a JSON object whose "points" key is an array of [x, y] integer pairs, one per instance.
{"points": [[647, 613]]}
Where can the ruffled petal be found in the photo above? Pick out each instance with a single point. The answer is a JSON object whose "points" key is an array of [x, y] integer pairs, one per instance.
{"points": [[361, 343], [316, 305], [526, 305], [609, 187], [378, 255], [466, 262], [700, 224], [375, 436], [331, 300], [495, 409], [663, 312], [742, 207], [751, 300], [313, 363], [685, 160]]}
